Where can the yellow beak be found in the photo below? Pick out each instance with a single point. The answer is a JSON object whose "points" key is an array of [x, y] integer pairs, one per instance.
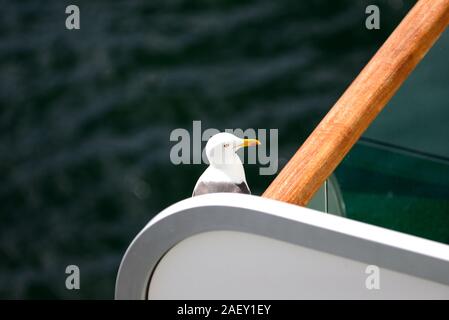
{"points": [[249, 142]]}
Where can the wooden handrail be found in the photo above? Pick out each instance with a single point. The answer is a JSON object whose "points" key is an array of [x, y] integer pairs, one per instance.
{"points": [[361, 103]]}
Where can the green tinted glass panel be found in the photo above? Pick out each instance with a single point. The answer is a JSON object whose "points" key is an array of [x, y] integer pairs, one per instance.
{"points": [[396, 188]]}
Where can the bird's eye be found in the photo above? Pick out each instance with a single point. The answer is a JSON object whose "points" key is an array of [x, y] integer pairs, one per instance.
{"points": [[226, 145]]}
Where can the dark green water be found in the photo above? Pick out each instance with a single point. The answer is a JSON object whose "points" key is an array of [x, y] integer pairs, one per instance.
{"points": [[85, 115]]}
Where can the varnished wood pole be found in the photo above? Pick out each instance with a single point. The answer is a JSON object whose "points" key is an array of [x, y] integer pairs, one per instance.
{"points": [[361, 103]]}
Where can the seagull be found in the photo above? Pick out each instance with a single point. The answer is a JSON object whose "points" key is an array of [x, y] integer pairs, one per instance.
{"points": [[225, 172]]}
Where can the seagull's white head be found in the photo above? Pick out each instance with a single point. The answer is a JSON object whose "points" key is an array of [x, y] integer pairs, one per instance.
{"points": [[221, 148]]}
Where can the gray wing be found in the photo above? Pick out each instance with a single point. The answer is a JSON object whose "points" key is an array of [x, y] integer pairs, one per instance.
{"points": [[214, 187]]}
